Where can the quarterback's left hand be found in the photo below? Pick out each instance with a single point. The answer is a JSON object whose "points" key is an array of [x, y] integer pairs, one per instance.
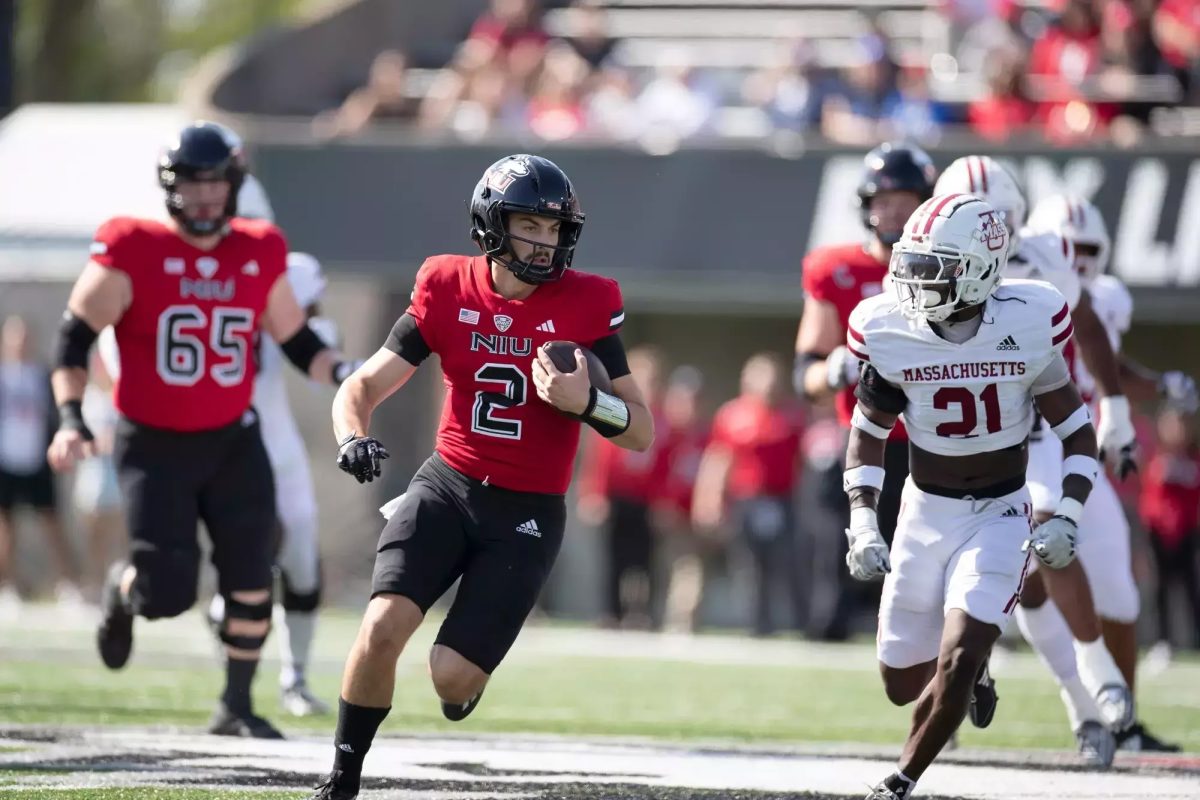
{"points": [[566, 391], [1053, 542], [1116, 436]]}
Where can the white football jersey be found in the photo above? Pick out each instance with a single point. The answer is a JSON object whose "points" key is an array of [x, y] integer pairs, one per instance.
{"points": [[975, 396], [1046, 257], [1113, 305]]}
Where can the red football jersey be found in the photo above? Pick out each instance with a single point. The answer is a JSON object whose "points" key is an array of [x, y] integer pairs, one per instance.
{"points": [[187, 340], [844, 275], [494, 427]]}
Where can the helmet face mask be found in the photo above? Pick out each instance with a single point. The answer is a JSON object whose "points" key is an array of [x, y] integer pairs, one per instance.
{"points": [[950, 257], [532, 186], [1080, 222], [205, 153]]}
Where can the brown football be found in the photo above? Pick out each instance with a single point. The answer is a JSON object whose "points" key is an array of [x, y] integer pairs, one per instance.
{"points": [[563, 355]]}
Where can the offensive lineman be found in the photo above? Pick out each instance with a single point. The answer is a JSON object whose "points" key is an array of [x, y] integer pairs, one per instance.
{"points": [[1104, 549], [940, 352], [896, 179], [1047, 256], [186, 298], [488, 504]]}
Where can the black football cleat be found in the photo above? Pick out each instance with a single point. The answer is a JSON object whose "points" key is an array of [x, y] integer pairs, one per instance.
{"points": [[1137, 738], [458, 712], [335, 787], [983, 698], [229, 723], [114, 637]]}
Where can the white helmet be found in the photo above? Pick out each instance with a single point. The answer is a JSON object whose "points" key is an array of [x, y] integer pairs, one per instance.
{"points": [[950, 256], [1082, 224], [984, 177], [252, 201], [305, 276]]}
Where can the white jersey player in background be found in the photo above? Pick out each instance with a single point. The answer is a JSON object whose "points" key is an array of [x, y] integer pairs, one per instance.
{"points": [[1097, 685], [965, 358], [296, 505], [1104, 549]]}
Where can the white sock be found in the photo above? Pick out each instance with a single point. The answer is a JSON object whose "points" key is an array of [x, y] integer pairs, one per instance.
{"points": [[1096, 666], [1081, 705], [1047, 632], [295, 644]]}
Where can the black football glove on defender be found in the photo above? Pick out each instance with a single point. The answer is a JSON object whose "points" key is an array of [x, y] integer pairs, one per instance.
{"points": [[362, 457]]}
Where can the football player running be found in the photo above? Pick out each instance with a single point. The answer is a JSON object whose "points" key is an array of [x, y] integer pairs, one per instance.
{"points": [[1102, 693], [187, 298], [896, 178], [965, 358], [1104, 546], [488, 506]]}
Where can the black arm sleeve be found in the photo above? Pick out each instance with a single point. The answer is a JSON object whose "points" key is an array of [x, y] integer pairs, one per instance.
{"points": [[75, 340], [611, 353], [876, 392], [406, 341], [303, 347]]}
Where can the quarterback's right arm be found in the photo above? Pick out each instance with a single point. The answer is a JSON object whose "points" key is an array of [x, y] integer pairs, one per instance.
{"points": [[376, 380], [98, 299]]}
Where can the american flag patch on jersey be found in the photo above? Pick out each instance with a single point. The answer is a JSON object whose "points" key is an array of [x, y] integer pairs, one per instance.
{"points": [[616, 319], [469, 317]]}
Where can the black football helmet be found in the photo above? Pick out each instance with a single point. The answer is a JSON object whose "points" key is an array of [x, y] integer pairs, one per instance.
{"points": [[203, 151], [531, 185], [894, 167]]}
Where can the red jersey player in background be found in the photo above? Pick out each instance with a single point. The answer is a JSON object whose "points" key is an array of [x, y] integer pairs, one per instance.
{"points": [[488, 506], [187, 297], [896, 179]]}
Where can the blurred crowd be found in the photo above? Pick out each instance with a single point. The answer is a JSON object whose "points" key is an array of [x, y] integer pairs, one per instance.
{"points": [[705, 526], [1065, 71]]}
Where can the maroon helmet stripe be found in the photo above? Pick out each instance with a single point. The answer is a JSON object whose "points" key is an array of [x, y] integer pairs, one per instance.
{"points": [[1060, 316], [982, 173]]}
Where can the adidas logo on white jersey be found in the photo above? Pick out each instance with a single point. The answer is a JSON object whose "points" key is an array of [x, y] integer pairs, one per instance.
{"points": [[530, 527], [1009, 343], [547, 326]]}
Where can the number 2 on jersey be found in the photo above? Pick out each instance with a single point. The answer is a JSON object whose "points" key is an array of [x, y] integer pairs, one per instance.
{"points": [[962, 397], [182, 354], [512, 390]]}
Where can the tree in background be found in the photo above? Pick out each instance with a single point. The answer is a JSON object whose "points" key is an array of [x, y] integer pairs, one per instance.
{"points": [[127, 50]]}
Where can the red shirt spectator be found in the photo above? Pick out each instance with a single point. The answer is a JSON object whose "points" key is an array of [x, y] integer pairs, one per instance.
{"points": [[763, 442], [509, 24], [1170, 501], [680, 454], [998, 118], [1177, 31], [610, 471]]}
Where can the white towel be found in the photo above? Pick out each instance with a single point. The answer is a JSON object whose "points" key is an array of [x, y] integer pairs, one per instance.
{"points": [[389, 508]]}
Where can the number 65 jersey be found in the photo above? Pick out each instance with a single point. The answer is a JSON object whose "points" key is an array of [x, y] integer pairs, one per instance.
{"points": [[494, 427], [974, 396], [187, 341]]}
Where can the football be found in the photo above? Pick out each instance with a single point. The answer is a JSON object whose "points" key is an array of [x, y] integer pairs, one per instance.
{"points": [[563, 355]]}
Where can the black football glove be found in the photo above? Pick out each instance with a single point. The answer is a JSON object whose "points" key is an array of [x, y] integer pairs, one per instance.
{"points": [[362, 457]]}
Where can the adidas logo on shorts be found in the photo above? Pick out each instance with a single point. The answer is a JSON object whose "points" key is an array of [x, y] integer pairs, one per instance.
{"points": [[1009, 343], [530, 527]]}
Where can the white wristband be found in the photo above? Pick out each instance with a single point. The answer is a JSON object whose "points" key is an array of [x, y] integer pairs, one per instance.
{"points": [[863, 477], [1086, 466], [1070, 508], [867, 425]]}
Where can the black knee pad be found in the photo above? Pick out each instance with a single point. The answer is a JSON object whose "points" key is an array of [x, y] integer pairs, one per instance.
{"points": [[253, 612], [297, 601], [165, 585]]}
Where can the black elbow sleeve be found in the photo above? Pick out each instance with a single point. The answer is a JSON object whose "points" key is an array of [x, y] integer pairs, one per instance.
{"points": [[75, 340], [302, 348]]}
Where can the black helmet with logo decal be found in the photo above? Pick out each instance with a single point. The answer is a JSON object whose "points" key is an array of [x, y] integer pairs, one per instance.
{"points": [[203, 151], [894, 167], [525, 184]]}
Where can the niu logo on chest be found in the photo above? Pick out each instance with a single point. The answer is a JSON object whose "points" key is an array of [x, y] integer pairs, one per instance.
{"points": [[501, 345], [204, 287]]}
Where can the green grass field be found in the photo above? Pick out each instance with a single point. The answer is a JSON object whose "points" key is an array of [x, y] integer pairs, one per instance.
{"points": [[740, 691]]}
